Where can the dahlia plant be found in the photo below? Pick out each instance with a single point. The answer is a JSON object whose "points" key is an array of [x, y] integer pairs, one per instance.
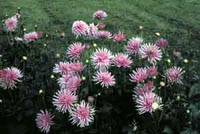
{"points": [[98, 64]]}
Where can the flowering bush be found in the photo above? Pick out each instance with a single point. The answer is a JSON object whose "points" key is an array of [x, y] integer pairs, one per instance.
{"points": [[104, 83]]}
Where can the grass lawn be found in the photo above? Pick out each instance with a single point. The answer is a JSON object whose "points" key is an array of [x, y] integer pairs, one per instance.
{"points": [[177, 20]]}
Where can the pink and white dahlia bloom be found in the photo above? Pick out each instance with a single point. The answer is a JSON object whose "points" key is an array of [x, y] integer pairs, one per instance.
{"points": [[101, 25], [152, 71], [104, 78], [82, 114], [139, 75], [62, 68], [161, 43], [9, 77], [79, 28], [76, 67], [101, 58], [142, 89], [103, 34], [118, 37], [44, 121], [134, 45], [92, 30], [174, 74], [121, 60], [63, 100], [99, 14], [32, 36], [75, 50], [148, 102], [69, 82], [151, 52], [11, 23]]}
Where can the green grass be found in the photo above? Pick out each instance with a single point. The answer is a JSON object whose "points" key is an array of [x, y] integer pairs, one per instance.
{"points": [[176, 20]]}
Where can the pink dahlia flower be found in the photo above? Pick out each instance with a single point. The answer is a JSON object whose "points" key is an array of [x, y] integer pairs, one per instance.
{"points": [[92, 30], [63, 100], [142, 89], [32, 36], [99, 14], [101, 58], [151, 52], [62, 68], [11, 23], [79, 28], [75, 50], [69, 82], [161, 43], [82, 114], [152, 71], [174, 74], [9, 77], [76, 67], [44, 121], [148, 102], [118, 37], [101, 25], [139, 75], [121, 60], [134, 45], [103, 34], [104, 78]]}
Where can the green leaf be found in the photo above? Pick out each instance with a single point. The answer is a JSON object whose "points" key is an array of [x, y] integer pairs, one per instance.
{"points": [[195, 90]]}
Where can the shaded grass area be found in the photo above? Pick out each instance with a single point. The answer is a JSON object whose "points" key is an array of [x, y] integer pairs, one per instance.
{"points": [[178, 21]]}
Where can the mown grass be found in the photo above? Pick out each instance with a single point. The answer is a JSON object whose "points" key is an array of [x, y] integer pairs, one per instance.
{"points": [[176, 20]]}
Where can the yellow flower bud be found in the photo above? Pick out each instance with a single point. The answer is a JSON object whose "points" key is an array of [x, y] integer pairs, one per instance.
{"points": [[155, 105], [52, 76], [185, 61], [94, 45], [83, 78], [157, 33], [40, 91], [162, 84], [24, 57]]}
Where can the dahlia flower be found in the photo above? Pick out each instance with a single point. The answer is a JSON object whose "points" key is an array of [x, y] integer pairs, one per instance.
{"points": [[79, 28], [121, 60], [104, 78], [103, 34], [151, 52], [69, 82], [92, 30], [32, 36], [82, 114], [44, 121], [101, 58], [139, 75], [134, 45], [142, 89], [99, 14], [161, 43], [11, 23], [76, 67], [101, 25], [9, 77], [62, 68], [174, 74], [118, 37], [75, 50], [63, 100], [152, 71], [148, 102]]}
